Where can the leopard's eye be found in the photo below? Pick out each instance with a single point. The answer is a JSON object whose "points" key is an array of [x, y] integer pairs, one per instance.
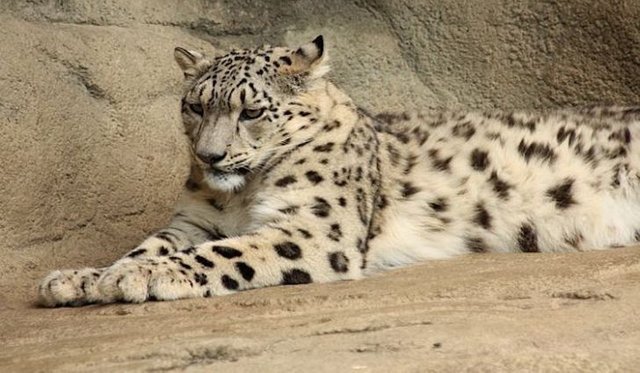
{"points": [[196, 108], [248, 114]]}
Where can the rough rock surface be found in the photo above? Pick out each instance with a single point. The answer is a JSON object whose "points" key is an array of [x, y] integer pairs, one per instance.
{"points": [[92, 157]]}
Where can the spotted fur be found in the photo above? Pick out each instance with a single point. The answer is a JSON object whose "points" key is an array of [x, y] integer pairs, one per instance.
{"points": [[291, 183]]}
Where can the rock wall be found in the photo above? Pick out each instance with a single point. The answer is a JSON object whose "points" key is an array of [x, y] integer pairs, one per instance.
{"points": [[92, 151]]}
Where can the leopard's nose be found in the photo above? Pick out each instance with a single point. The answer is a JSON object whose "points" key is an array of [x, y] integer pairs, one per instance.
{"points": [[211, 158]]}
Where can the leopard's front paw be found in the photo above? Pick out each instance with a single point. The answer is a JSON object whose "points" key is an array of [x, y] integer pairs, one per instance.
{"points": [[136, 281], [127, 280], [69, 288]]}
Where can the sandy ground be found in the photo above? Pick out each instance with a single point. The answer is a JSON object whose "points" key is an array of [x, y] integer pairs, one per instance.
{"points": [[518, 312]]}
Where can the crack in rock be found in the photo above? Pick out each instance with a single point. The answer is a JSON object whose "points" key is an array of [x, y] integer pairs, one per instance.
{"points": [[199, 356], [81, 74], [583, 295], [370, 328]]}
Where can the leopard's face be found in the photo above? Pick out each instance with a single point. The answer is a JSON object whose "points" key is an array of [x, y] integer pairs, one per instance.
{"points": [[234, 107]]}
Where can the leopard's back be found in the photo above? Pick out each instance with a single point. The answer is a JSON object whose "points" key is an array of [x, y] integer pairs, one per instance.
{"points": [[462, 182]]}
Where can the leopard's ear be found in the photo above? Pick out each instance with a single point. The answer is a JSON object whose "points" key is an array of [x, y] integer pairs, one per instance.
{"points": [[310, 59], [192, 63]]}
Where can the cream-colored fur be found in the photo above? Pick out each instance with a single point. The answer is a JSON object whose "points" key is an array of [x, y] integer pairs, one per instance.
{"points": [[291, 183]]}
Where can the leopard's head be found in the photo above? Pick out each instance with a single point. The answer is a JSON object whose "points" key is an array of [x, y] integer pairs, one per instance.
{"points": [[239, 109]]}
